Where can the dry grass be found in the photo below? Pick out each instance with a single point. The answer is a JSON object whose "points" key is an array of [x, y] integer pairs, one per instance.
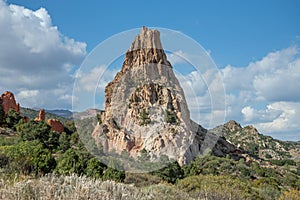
{"points": [[52, 187], [67, 187]]}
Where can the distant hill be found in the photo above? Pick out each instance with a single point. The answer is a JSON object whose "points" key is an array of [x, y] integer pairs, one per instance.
{"points": [[62, 113], [255, 144]]}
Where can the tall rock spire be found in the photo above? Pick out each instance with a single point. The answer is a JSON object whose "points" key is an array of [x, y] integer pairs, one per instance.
{"points": [[146, 48], [145, 105], [146, 109]]}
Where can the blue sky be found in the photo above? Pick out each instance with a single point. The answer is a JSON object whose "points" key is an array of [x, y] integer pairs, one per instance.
{"points": [[236, 32], [255, 44]]}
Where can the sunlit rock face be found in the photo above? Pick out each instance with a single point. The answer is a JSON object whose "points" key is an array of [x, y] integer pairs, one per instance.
{"points": [[146, 109], [8, 102], [41, 116]]}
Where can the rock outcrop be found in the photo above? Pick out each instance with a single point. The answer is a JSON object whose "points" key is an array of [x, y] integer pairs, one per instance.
{"points": [[146, 110], [41, 116], [8, 102], [56, 125]]}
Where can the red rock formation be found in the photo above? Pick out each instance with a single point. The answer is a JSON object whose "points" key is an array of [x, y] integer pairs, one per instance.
{"points": [[56, 125], [9, 102], [41, 116]]}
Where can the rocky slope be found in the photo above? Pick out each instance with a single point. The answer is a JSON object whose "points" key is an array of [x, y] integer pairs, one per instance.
{"points": [[146, 110], [258, 145]]}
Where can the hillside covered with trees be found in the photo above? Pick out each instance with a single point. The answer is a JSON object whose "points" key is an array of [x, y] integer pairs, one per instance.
{"points": [[36, 162]]}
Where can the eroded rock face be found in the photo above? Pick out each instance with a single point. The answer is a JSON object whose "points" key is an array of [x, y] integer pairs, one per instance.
{"points": [[145, 105], [145, 108], [8, 102], [41, 116], [56, 125]]}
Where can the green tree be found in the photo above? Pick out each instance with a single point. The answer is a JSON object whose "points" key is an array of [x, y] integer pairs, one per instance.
{"points": [[144, 117], [64, 141], [72, 161], [170, 117], [113, 174], [52, 142], [43, 160], [94, 168], [2, 115], [12, 118], [29, 157], [171, 173], [34, 131]]}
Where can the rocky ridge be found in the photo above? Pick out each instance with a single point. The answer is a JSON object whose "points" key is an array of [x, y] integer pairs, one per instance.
{"points": [[251, 142], [146, 110]]}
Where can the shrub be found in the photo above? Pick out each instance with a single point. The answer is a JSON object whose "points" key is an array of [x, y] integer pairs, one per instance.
{"points": [[12, 118], [71, 161], [94, 168], [170, 117], [171, 173], [290, 195], [144, 117], [113, 174], [28, 157], [216, 187]]}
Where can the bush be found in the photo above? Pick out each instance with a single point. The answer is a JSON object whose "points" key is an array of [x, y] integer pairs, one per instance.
{"points": [[290, 195], [64, 141], [113, 174], [28, 157], [94, 168], [216, 187], [170, 117], [144, 117], [171, 173], [71, 161], [12, 119], [34, 131]]}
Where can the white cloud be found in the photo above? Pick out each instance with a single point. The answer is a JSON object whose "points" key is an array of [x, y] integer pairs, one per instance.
{"points": [[264, 93], [271, 85], [177, 57], [94, 79], [286, 122], [35, 58], [281, 85], [248, 113], [27, 94]]}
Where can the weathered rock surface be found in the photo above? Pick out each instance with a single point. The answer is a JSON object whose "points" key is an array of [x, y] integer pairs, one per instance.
{"points": [[56, 125], [41, 116], [8, 102], [145, 109]]}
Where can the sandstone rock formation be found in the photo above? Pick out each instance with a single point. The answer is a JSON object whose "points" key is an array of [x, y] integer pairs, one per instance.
{"points": [[8, 102], [56, 125], [146, 110], [41, 116]]}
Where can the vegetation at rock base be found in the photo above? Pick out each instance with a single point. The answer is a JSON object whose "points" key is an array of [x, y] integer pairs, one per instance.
{"points": [[37, 163]]}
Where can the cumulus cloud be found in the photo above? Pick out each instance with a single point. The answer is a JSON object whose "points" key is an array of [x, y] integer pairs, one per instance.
{"points": [[35, 57], [281, 85], [95, 78], [286, 125], [264, 93]]}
